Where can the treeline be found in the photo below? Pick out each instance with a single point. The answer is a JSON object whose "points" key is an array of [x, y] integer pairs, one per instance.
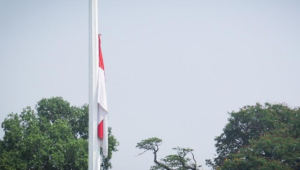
{"points": [[54, 136]]}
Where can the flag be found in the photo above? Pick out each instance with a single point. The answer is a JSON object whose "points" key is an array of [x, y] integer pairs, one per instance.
{"points": [[102, 105]]}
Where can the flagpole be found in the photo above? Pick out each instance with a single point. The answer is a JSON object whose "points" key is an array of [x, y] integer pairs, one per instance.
{"points": [[94, 159]]}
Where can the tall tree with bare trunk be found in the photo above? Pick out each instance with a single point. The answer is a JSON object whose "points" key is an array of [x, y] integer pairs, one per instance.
{"points": [[183, 160]]}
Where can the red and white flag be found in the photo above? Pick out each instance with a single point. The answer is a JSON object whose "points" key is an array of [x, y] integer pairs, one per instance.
{"points": [[102, 105]]}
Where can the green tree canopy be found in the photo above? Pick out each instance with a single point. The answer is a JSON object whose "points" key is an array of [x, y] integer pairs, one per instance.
{"points": [[259, 137], [54, 137], [183, 160]]}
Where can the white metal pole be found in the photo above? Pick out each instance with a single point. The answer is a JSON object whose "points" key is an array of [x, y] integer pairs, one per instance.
{"points": [[94, 143]]}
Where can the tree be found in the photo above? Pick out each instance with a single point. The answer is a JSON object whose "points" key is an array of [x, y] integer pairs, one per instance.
{"points": [[52, 137], [179, 161], [259, 137]]}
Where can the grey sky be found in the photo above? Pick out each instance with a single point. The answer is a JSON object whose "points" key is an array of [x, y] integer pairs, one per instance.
{"points": [[174, 68]]}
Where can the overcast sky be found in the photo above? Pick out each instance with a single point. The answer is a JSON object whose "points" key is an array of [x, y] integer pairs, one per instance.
{"points": [[174, 68]]}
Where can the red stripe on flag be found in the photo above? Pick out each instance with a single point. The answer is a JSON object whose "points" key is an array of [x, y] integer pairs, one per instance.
{"points": [[100, 130], [101, 65], [101, 62]]}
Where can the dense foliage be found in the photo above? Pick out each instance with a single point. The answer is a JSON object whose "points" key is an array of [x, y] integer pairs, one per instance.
{"points": [[54, 137], [183, 160], [259, 137]]}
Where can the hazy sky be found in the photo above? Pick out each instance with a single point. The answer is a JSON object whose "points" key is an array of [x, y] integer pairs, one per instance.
{"points": [[174, 68]]}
